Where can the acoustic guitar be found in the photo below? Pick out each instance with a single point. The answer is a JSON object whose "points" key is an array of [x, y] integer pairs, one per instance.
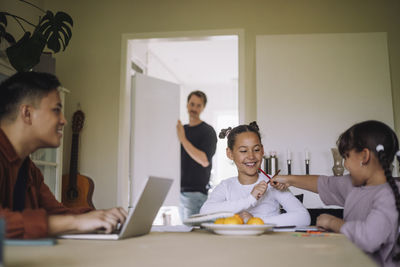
{"points": [[77, 189]]}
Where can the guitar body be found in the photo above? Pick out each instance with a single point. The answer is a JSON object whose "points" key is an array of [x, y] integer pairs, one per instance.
{"points": [[83, 195], [77, 190]]}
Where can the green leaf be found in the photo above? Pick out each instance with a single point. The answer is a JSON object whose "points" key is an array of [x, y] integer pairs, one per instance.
{"points": [[25, 54], [3, 18], [3, 31], [56, 29], [9, 38], [53, 43], [4, 34], [62, 16]]}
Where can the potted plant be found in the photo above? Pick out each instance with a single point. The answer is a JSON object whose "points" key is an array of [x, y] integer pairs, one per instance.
{"points": [[52, 31]]}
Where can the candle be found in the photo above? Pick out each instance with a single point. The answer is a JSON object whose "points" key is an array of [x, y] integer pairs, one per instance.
{"points": [[289, 162], [307, 156], [289, 155]]}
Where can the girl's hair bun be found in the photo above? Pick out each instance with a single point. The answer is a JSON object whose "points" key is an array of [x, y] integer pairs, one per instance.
{"points": [[224, 133], [254, 125]]}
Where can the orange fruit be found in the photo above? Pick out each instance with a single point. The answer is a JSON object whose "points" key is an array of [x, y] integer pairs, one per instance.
{"points": [[233, 220], [255, 220], [219, 221], [240, 218]]}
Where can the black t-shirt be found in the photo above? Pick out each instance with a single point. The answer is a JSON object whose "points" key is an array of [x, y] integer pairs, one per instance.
{"points": [[194, 177]]}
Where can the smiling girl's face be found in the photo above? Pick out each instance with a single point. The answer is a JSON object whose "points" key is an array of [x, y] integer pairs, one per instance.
{"points": [[247, 153]]}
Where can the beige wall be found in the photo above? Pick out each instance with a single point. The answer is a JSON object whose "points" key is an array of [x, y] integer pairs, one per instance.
{"points": [[23, 10], [90, 67]]}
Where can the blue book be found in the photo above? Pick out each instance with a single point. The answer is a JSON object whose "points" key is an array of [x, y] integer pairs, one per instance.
{"points": [[30, 242]]}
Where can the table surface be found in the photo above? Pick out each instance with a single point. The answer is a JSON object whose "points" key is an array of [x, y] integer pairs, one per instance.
{"points": [[197, 248]]}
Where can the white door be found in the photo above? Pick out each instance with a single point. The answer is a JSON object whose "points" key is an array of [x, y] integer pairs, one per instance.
{"points": [[154, 148]]}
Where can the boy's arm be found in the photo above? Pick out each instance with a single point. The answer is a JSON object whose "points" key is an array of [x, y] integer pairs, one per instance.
{"points": [[87, 222], [46, 220], [307, 182], [36, 223], [28, 224]]}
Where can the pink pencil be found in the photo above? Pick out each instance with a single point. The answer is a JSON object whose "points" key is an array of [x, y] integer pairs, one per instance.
{"points": [[264, 173]]}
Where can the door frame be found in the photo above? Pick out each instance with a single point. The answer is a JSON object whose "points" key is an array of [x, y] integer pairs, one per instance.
{"points": [[123, 181]]}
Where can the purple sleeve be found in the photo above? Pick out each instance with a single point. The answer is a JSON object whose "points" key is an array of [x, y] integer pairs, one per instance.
{"points": [[377, 229], [333, 190]]}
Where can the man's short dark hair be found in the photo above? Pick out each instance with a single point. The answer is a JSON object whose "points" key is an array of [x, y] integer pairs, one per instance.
{"points": [[32, 86], [200, 94]]}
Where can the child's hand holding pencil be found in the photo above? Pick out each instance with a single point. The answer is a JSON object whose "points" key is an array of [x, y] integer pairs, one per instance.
{"points": [[259, 189], [269, 177]]}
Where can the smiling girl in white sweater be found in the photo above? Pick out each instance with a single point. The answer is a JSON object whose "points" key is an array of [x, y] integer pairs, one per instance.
{"points": [[248, 194]]}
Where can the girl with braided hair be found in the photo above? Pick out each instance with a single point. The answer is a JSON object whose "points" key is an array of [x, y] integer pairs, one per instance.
{"points": [[248, 194], [369, 194]]}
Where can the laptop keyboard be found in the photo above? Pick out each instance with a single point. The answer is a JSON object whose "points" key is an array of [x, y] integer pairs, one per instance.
{"points": [[116, 231]]}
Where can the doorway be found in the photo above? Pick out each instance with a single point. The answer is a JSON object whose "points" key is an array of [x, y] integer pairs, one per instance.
{"points": [[208, 61]]}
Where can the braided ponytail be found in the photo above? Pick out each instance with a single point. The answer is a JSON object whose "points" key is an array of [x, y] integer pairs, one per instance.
{"points": [[396, 257], [386, 165]]}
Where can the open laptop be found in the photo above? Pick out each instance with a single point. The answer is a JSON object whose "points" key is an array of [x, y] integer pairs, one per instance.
{"points": [[139, 220]]}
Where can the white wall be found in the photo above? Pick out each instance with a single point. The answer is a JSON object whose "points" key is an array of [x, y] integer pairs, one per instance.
{"points": [[312, 87]]}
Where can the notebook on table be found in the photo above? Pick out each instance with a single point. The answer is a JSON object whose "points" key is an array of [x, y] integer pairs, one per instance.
{"points": [[140, 219], [198, 219]]}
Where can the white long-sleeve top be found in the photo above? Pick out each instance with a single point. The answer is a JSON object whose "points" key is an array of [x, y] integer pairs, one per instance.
{"points": [[232, 196]]}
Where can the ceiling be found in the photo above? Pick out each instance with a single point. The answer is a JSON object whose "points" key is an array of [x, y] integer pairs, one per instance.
{"points": [[208, 60]]}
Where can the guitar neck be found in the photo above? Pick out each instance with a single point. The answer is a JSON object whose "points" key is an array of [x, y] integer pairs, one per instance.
{"points": [[73, 167]]}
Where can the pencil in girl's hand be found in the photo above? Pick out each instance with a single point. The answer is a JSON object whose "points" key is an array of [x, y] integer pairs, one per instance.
{"points": [[264, 173], [268, 175], [276, 174]]}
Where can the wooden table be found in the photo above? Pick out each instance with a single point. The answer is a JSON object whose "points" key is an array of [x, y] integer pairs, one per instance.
{"points": [[197, 248]]}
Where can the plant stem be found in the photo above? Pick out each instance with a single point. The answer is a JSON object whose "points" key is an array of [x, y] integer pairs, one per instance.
{"points": [[26, 2], [20, 24], [17, 18]]}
